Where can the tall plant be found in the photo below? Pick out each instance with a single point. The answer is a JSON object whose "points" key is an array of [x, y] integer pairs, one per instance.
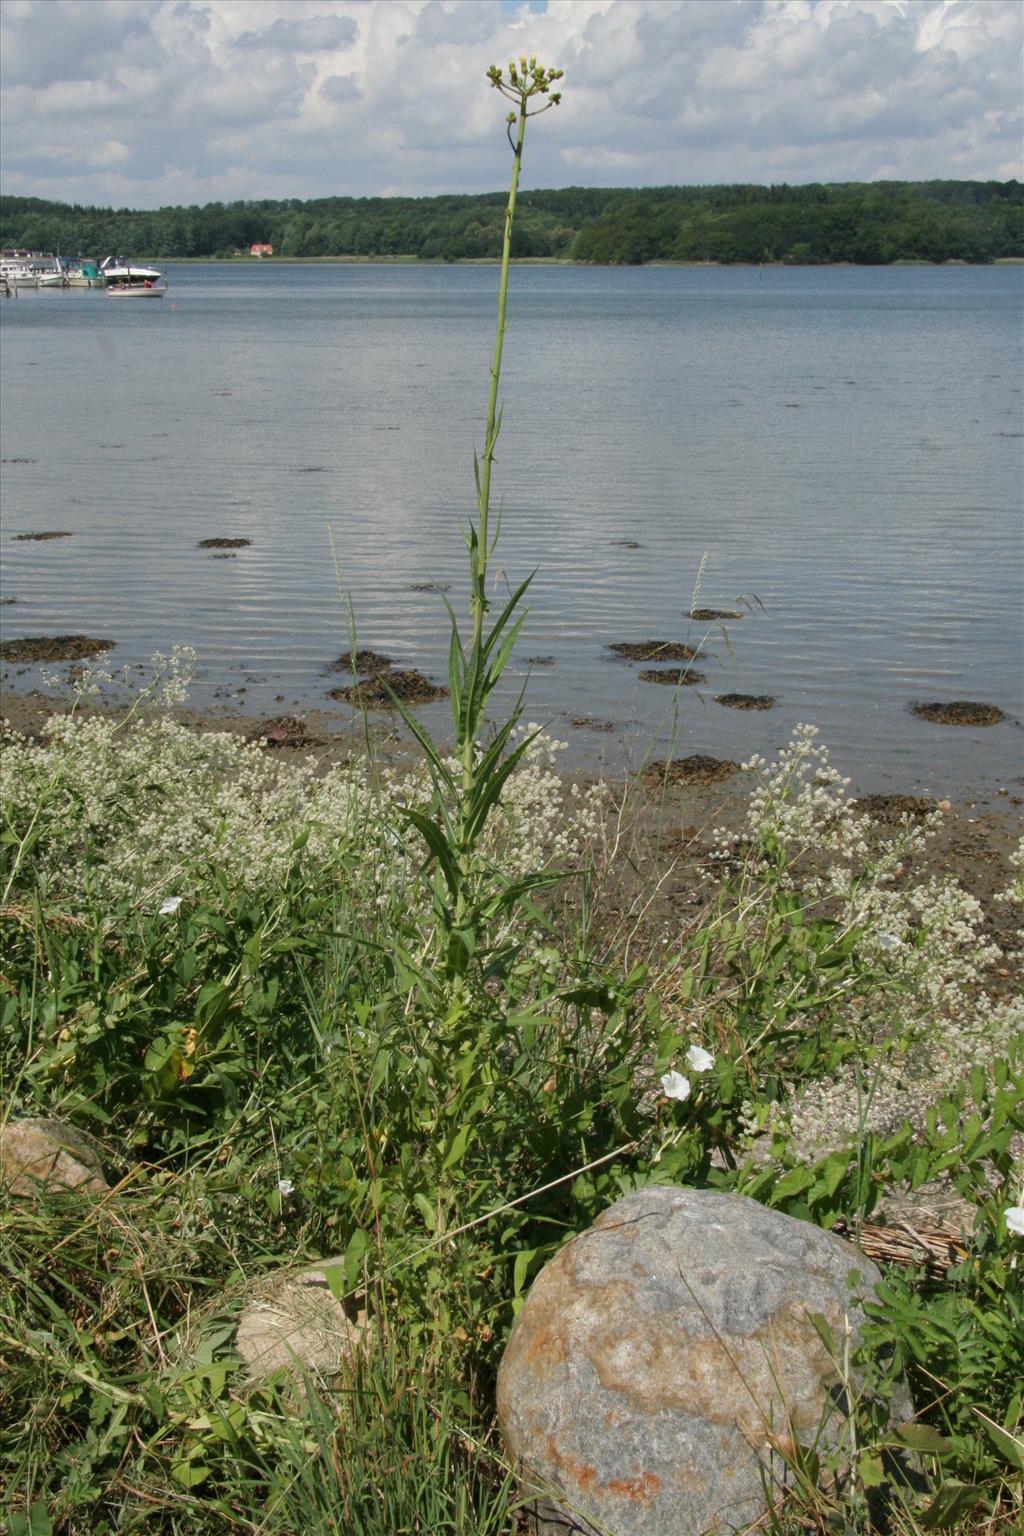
{"points": [[471, 896]]}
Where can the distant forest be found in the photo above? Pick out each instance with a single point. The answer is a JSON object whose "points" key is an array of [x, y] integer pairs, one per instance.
{"points": [[864, 222]]}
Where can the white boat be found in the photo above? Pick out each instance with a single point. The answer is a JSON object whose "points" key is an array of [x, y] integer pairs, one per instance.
{"points": [[30, 269], [116, 270], [18, 274], [85, 274], [146, 290]]}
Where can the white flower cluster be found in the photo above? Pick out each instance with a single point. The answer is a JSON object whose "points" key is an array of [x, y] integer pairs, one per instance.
{"points": [[902, 1084], [140, 810], [801, 800], [926, 1019], [144, 809]]}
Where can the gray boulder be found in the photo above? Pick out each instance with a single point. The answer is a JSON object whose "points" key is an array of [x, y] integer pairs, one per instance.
{"points": [[663, 1358], [40, 1153], [294, 1322]]}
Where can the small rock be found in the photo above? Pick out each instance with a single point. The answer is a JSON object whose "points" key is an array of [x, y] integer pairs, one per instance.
{"points": [[43, 1153], [662, 1357], [296, 1323]]}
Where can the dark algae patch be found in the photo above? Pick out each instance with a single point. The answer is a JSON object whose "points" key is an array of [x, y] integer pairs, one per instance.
{"points": [[220, 543], [896, 808], [380, 690], [672, 677], [652, 650], [745, 700], [284, 731], [38, 538], [362, 661], [54, 648], [709, 615], [959, 712], [696, 769]]}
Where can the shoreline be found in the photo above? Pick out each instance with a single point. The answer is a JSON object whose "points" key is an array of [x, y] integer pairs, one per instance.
{"points": [[549, 261], [669, 828]]}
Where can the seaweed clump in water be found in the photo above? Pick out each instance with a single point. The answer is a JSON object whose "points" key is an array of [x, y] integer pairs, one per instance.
{"points": [[745, 700], [381, 689], [959, 712], [652, 650], [54, 648], [362, 661], [696, 769], [673, 677]]}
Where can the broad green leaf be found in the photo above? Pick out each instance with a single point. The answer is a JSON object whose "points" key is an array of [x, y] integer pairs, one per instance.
{"points": [[792, 1183], [833, 1171], [921, 1437], [950, 1504], [426, 1210]]}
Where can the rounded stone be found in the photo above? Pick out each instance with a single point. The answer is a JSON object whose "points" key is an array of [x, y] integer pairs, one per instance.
{"points": [[294, 1322], [665, 1357], [41, 1153]]}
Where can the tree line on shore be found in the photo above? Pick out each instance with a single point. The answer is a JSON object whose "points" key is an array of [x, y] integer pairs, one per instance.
{"points": [[862, 222]]}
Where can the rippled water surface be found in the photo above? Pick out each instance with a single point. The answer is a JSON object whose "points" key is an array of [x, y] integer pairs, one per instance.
{"points": [[844, 445]]}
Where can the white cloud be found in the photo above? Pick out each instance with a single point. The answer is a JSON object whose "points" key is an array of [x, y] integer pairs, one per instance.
{"points": [[149, 101]]}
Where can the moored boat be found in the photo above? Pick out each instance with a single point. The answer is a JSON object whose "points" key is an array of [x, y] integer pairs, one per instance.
{"points": [[145, 290], [85, 274], [131, 275]]}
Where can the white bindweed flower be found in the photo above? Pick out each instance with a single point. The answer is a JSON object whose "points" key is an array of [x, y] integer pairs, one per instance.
{"points": [[675, 1086], [889, 941], [169, 905], [1014, 1215], [285, 1187], [699, 1060]]}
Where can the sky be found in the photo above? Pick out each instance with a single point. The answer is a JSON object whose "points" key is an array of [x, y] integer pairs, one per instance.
{"points": [[145, 103]]}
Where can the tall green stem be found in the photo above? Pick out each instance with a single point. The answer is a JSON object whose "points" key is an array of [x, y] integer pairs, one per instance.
{"points": [[454, 834], [490, 432]]}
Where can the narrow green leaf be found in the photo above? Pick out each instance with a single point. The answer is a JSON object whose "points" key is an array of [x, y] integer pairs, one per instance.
{"points": [[1011, 1446], [456, 1148], [523, 1261], [431, 835]]}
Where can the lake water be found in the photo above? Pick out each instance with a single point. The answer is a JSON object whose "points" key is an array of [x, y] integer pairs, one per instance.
{"points": [[844, 445]]}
